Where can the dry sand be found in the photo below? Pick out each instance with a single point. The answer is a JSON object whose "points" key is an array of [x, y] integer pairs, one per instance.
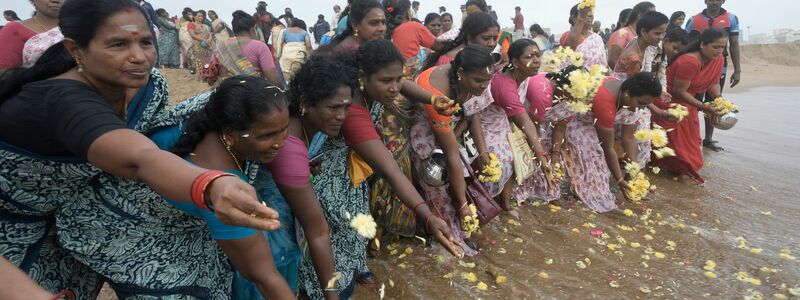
{"points": [[762, 66]]}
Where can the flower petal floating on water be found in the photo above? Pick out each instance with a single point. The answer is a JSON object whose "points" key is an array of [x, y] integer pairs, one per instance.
{"points": [[635, 245], [756, 250], [575, 230], [710, 274], [466, 264], [787, 254], [365, 225], [659, 255], [597, 232], [648, 237], [471, 277], [627, 212], [482, 286], [580, 264], [779, 296], [710, 265], [613, 284], [548, 261], [766, 213], [500, 279], [543, 275], [644, 289]]}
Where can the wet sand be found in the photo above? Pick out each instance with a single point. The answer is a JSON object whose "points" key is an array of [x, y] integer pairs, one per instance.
{"points": [[751, 192]]}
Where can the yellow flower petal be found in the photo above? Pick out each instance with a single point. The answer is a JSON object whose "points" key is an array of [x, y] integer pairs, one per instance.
{"points": [[628, 212], [543, 275], [482, 286], [471, 277], [635, 245], [710, 274], [500, 279], [659, 255]]}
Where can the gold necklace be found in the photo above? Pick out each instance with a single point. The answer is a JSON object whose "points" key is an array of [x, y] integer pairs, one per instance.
{"points": [[35, 19], [228, 148]]}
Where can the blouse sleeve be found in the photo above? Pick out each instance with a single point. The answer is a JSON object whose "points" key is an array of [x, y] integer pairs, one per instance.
{"points": [[358, 126], [291, 166], [13, 35], [506, 96], [79, 117], [618, 38], [604, 108], [686, 68], [426, 38], [264, 57], [540, 95]]}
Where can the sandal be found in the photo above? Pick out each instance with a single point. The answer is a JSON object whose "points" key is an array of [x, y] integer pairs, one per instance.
{"points": [[712, 145]]}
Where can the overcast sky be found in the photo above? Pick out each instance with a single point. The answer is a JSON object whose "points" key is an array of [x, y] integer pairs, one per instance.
{"points": [[761, 15]]}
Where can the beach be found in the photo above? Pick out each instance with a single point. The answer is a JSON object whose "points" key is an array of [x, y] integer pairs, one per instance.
{"points": [[735, 236]]}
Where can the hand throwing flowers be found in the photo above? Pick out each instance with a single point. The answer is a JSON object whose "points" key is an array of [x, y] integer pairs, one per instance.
{"points": [[365, 225], [722, 106], [470, 224], [587, 3], [492, 171], [678, 111]]}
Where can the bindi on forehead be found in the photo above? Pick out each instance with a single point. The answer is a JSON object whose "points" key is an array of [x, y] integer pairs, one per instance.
{"points": [[128, 10]]}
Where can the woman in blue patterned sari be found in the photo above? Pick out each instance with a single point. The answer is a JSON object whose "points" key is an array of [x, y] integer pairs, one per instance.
{"points": [[80, 181]]}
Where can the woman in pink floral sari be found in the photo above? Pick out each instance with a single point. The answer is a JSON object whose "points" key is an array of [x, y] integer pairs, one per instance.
{"points": [[581, 37]]}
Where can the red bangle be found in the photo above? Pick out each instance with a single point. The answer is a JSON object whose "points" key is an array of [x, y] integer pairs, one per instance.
{"points": [[540, 154], [69, 295], [199, 186]]}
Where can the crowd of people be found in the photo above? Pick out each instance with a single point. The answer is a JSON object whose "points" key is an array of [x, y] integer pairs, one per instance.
{"points": [[272, 179]]}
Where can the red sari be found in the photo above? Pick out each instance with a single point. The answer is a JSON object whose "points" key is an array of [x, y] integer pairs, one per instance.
{"points": [[684, 137]]}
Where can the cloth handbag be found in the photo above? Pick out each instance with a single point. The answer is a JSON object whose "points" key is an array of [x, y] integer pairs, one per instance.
{"points": [[487, 208], [522, 154]]}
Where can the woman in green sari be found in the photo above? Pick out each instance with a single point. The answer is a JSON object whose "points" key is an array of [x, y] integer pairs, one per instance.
{"points": [[169, 52]]}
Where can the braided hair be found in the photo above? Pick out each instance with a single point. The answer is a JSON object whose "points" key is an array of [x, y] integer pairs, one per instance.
{"points": [[235, 104], [472, 58], [474, 25]]}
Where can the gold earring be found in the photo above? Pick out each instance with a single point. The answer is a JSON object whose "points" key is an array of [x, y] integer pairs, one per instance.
{"points": [[355, 35], [361, 85], [276, 146], [79, 63], [302, 111], [459, 76]]}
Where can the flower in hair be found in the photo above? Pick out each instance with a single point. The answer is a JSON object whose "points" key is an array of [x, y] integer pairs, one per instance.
{"points": [[390, 9]]}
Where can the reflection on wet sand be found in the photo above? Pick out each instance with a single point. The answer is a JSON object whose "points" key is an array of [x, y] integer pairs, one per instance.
{"points": [[736, 236]]}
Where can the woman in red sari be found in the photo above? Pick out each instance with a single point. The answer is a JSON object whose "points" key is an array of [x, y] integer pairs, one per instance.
{"points": [[691, 72]]}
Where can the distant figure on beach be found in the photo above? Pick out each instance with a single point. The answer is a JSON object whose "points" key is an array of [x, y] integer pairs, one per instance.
{"points": [[11, 16]]}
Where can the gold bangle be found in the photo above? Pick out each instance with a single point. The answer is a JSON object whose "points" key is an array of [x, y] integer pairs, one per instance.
{"points": [[433, 101]]}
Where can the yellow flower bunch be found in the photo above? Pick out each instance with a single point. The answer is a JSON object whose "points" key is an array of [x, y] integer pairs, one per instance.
{"points": [[583, 86], [657, 136], [678, 111], [470, 223], [587, 3], [491, 171], [558, 172], [638, 185], [554, 60], [722, 106], [365, 225]]}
